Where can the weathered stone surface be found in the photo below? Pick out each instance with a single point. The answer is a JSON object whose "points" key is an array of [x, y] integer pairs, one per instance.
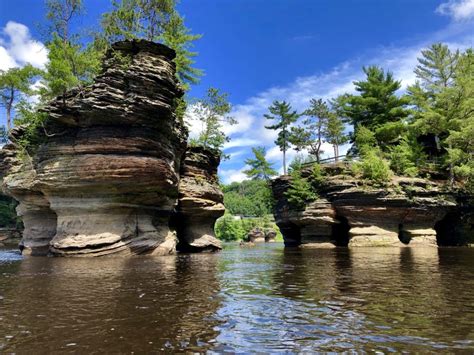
{"points": [[270, 236], [405, 213], [200, 201], [256, 235], [106, 178]]}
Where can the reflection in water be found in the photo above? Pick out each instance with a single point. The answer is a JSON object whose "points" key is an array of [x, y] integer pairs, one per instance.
{"points": [[112, 304], [246, 300]]}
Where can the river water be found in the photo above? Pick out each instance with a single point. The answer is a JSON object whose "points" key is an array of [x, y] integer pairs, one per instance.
{"points": [[262, 299]]}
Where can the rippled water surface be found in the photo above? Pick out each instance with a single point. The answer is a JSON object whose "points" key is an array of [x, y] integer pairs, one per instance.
{"points": [[246, 300]]}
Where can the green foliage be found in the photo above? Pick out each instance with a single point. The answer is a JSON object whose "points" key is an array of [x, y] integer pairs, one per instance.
{"points": [[310, 135], [299, 161], [3, 135], [70, 64], [177, 36], [154, 20], [15, 84], [33, 121], [282, 113], [406, 157], [260, 168], [334, 133], [228, 228], [213, 111], [8, 216], [377, 103], [317, 176], [248, 198], [364, 139], [300, 191], [373, 167]]}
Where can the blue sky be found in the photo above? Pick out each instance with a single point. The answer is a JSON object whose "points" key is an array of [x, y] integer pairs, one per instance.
{"points": [[262, 50]]}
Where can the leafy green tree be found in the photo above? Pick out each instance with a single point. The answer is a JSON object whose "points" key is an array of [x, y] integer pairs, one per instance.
{"points": [[15, 84], [377, 103], [213, 111], [310, 135], [69, 63], [248, 198], [284, 116], [260, 167], [229, 229]]}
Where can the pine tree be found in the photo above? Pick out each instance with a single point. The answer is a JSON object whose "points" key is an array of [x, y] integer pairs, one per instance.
{"points": [[377, 103], [436, 103], [177, 36], [310, 135], [334, 133], [15, 84], [260, 168], [213, 111], [285, 116], [436, 67]]}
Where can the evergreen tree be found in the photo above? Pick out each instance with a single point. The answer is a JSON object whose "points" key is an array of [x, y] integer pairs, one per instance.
{"points": [[436, 67], [15, 84], [213, 111], [285, 116], [310, 135], [377, 104], [334, 133], [260, 168], [437, 102], [177, 36]]}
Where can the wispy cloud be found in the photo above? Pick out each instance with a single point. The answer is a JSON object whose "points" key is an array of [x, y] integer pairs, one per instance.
{"points": [[458, 10]]}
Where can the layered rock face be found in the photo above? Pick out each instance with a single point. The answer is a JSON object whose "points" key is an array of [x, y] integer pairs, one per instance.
{"points": [[200, 201], [106, 178], [406, 213]]}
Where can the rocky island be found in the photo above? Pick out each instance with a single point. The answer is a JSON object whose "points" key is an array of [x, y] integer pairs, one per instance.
{"points": [[113, 172], [349, 212]]}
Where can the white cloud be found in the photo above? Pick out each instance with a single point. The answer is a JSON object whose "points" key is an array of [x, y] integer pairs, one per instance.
{"points": [[228, 176], [458, 10], [17, 48]]}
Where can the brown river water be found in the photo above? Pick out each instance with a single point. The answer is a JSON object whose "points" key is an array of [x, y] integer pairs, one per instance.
{"points": [[263, 299]]}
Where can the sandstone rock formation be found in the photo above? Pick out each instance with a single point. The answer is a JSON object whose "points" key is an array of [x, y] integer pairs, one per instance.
{"points": [[200, 201], [346, 212], [256, 235], [270, 236], [106, 177]]}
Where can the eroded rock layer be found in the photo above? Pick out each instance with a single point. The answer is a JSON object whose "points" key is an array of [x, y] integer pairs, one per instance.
{"points": [[200, 201], [407, 212], [106, 178]]}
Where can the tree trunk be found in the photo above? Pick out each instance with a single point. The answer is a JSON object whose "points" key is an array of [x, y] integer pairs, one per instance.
{"points": [[284, 162], [9, 108], [335, 152]]}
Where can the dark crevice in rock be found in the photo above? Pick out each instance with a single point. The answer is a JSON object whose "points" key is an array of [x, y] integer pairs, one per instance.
{"points": [[340, 231]]}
